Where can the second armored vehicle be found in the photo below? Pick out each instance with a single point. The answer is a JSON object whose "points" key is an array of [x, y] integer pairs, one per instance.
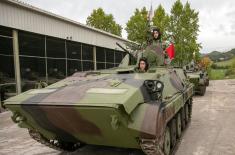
{"points": [[198, 77]]}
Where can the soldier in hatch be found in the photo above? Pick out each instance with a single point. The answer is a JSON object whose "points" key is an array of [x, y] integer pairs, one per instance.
{"points": [[142, 65], [154, 51], [159, 46], [156, 34]]}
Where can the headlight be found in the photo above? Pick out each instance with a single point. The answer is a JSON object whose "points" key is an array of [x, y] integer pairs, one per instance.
{"points": [[153, 86], [159, 86]]}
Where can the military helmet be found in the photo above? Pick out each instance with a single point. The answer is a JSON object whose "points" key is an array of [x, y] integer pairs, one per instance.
{"points": [[154, 28]]}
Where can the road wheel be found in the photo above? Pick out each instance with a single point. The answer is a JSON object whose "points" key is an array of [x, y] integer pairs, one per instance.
{"points": [[207, 82], [178, 125], [55, 144], [173, 132], [186, 113], [190, 108], [202, 90], [167, 141], [182, 118], [68, 146]]}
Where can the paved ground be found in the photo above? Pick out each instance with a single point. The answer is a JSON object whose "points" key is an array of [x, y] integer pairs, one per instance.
{"points": [[211, 132]]}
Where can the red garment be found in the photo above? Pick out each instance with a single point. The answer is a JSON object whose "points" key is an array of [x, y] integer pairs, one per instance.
{"points": [[171, 51]]}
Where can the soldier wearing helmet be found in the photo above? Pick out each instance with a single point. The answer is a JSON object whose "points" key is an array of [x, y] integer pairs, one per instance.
{"points": [[154, 51], [156, 34]]}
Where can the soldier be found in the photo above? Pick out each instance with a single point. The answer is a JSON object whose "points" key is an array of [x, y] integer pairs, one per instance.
{"points": [[142, 65], [156, 34], [154, 51], [160, 47]]}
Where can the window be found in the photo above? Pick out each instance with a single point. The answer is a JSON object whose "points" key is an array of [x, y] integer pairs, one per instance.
{"points": [[55, 47], [109, 55], [31, 44], [56, 68], [100, 54], [4, 31], [73, 50], [6, 67], [109, 65], [6, 55], [108, 58], [100, 66], [87, 65], [32, 68], [6, 46], [87, 52], [73, 66], [32, 56]]}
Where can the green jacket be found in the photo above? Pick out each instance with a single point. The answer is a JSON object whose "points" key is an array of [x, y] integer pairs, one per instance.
{"points": [[154, 54]]}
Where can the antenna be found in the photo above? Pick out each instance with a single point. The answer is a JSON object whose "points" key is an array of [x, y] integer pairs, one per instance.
{"points": [[150, 14]]}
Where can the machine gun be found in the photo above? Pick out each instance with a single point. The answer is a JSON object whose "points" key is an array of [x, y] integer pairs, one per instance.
{"points": [[131, 59], [124, 49]]}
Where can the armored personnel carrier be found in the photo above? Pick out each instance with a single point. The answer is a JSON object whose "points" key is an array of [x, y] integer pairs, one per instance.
{"points": [[198, 77], [117, 107]]}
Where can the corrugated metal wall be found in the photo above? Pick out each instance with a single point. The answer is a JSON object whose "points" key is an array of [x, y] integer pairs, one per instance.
{"points": [[25, 18]]}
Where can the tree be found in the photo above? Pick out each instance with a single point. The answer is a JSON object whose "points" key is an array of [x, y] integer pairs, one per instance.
{"points": [[176, 30], [161, 20], [184, 27], [205, 62], [100, 20], [182, 24], [191, 28], [137, 26]]}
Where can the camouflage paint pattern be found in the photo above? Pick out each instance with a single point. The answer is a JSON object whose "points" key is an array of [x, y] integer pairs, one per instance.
{"points": [[102, 107], [116, 107]]}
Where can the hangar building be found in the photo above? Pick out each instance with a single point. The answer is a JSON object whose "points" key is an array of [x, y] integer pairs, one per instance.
{"points": [[35, 43]]}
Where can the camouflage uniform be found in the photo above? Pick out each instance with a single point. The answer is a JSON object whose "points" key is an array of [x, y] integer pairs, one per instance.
{"points": [[154, 53]]}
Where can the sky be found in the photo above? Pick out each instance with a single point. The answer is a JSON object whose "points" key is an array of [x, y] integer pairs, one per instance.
{"points": [[216, 17]]}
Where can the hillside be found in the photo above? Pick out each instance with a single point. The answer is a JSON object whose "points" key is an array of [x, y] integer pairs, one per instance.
{"points": [[221, 56], [226, 63]]}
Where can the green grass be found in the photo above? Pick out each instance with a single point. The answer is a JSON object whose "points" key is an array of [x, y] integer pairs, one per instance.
{"points": [[226, 73], [230, 77], [217, 74], [226, 63]]}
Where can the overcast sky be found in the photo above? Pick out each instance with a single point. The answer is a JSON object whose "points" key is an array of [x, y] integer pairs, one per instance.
{"points": [[216, 17]]}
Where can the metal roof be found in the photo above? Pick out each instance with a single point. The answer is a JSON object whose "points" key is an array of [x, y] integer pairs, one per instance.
{"points": [[24, 17], [47, 13]]}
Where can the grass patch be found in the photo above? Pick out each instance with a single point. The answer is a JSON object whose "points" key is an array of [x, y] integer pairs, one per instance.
{"points": [[230, 76], [222, 70], [217, 74], [226, 63]]}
